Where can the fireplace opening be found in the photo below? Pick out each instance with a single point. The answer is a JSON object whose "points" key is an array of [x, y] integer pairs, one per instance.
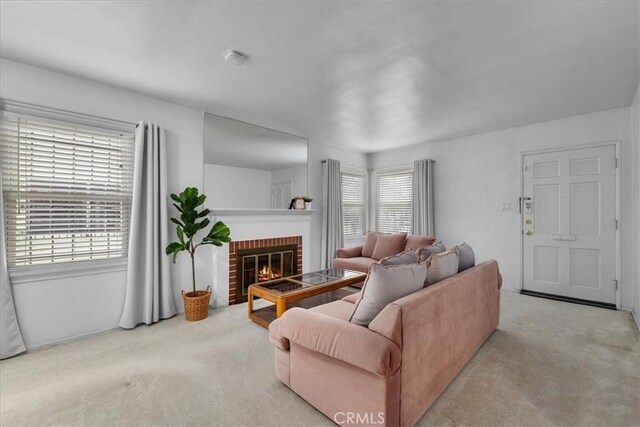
{"points": [[263, 264]]}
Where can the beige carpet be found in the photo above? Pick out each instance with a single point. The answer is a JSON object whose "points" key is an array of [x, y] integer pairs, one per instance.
{"points": [[549, 363]]}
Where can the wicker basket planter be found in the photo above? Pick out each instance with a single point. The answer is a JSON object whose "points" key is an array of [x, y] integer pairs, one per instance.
{"points": [[196, 304]]}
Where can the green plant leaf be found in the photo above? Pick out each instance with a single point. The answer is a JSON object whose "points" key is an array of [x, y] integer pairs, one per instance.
{"points": [[205, 212], [180, 234], [203, 223], [178, 207], [174, 248], [200, 200], [175, 221]]}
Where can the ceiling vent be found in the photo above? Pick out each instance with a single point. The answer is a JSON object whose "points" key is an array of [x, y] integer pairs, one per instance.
{"points": [[235, 57]]}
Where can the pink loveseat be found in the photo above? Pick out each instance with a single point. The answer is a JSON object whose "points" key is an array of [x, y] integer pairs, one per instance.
{"points": [[390, 372], [359, 258]]}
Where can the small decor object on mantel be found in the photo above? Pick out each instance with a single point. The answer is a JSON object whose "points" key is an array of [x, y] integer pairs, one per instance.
{"points": [[307, 202], [196, 303], [299, 203]]}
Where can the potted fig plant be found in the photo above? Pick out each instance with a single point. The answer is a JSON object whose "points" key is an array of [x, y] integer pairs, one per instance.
{"points": [[196, 303]]}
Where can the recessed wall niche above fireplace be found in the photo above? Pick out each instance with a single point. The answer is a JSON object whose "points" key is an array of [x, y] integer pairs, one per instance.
{"points": [[255, 261]]}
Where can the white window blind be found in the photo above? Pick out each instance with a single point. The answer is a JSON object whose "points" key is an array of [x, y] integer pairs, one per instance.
{"points": [[353, 205], [393, 204], [67, 191]]}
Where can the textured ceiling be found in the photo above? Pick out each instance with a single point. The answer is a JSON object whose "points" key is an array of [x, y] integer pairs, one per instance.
{"points": [[363, 75]]}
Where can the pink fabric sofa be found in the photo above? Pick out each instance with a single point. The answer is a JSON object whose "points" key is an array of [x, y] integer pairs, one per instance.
{"points": [[391, 372], [359, 258]]}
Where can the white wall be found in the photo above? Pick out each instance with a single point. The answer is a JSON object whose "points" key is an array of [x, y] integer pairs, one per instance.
{"points": [[474, 175], [232, 187], [317, 153], [635, 143], [53, 310]]}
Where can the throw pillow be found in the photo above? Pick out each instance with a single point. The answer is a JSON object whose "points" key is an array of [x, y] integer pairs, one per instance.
{"points": [[370, 244], [415, 242], [405, 258], [467, 258], [440, 266], [426, 251], [388, 245], [385, 285]]}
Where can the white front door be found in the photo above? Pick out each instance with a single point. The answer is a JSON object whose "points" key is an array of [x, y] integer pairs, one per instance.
{"points": [[569, 223]]}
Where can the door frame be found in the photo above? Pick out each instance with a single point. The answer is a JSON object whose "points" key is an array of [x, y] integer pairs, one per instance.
{"points": [[617, 146]]}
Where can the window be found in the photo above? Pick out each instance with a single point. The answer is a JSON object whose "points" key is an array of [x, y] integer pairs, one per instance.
{"points": [[393, 202], [67, 191], [353, 205]]}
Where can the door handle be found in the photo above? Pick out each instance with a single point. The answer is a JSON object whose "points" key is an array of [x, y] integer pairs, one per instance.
{"points": [[565, 237]]}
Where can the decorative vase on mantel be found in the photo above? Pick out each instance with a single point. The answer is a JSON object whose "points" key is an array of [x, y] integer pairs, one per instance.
{"points": [[307, 202]]}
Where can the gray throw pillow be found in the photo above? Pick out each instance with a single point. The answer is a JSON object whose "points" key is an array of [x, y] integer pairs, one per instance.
{"points": [[406, 257], [385, 285], [466, 257], [426, 251], [440, 266]]}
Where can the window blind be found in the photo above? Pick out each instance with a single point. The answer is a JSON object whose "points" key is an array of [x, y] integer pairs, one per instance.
{"points": [[67, 191], [393, 204], [353, 205]]}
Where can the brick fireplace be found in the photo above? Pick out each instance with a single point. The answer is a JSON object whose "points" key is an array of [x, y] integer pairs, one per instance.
{"points": [[262, 259]]}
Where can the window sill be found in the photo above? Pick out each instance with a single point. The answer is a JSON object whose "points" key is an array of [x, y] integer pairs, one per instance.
{"points": [[40, 273]]}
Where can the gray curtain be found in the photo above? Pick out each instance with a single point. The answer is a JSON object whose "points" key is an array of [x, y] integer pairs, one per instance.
{"points": [[422, 202], [332, 234], [11, 342], [148, 296]]}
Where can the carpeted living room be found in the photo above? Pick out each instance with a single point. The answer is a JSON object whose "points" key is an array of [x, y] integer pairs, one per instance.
{"points": [[318, 213]]}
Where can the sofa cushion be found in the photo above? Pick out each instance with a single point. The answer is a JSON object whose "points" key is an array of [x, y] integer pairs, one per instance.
{"points": [[466, 257], [388, 245], [440, 266], [351, 252], [415, 242], [338, 309], [358, 263], [353, 298], [426, 251], [370, 243], [406, 257], [384, 285]]}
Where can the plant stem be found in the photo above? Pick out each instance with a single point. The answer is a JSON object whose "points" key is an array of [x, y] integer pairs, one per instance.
{"points": [[193, 267]]}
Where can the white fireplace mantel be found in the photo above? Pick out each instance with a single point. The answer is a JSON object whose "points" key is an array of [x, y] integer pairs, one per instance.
{"points": [[250, 224], [270, 212]]}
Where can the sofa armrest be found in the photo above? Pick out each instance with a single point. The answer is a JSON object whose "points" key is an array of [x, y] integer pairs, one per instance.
{"points": [[336, 338], [351, 252], [276, 337]]}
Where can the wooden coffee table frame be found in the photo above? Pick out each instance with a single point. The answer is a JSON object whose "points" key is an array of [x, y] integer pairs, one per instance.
{"points": [[283, 299]]}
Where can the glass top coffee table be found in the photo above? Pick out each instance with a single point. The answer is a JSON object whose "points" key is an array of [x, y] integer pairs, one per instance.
{"points": [[303, 290]]}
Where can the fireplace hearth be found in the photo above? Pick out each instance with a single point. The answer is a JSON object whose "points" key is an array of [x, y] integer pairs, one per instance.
{"points": [[256, 261]]}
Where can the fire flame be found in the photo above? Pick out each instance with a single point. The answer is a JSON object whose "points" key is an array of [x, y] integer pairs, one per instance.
{"points": [[267, 274]]}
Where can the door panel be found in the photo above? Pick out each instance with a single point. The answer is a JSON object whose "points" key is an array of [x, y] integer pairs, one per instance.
{"points": [[569, 240], [547, 220], [585, 210]]}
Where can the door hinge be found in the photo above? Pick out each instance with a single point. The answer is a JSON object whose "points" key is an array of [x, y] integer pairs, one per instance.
{"points": [[524, 168], [615, 224], [615, 284], [615, 162]]}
